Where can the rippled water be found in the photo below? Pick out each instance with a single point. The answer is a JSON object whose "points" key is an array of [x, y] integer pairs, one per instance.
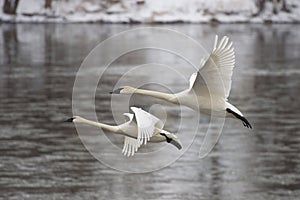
{"points": [[42, 158]]}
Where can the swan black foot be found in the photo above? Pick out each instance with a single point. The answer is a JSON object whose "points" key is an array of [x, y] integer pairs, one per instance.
{"points": [[245, 122], [172, 140]]}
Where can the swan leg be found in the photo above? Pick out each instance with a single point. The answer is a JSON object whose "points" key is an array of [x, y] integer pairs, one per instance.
{"points": [[245, 122], [173, 141]]}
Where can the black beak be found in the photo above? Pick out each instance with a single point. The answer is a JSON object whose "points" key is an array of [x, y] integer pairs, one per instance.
{"points": [[69, 120], [117, 91]]}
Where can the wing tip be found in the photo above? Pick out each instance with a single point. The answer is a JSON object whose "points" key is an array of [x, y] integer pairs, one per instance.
{"points": [[216, 42], [133, 108], [223, 43]]}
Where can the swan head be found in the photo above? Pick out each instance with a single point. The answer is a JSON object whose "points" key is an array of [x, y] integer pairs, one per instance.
{"points": [[172, 139], [74, 119], [124, 90]]}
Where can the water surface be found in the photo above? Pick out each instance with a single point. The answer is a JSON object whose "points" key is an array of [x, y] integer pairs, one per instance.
{"points": [[42, 158]]}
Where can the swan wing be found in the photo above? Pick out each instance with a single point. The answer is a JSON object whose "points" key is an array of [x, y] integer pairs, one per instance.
{"points": [[131, 146], [214, 75], [146, 124], [130, 116]]}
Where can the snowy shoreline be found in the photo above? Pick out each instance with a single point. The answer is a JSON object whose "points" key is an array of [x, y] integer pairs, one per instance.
{"points": [[154, 11]]}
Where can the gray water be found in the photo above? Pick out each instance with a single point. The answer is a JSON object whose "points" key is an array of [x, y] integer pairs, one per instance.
{"points": [[41, 158]]}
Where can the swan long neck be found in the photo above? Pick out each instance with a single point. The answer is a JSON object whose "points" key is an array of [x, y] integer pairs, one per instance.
{"points": [[101, 125], [160, 95]]}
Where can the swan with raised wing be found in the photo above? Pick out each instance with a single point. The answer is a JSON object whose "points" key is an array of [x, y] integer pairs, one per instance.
{"points": [[209, 87], [138, 130]]}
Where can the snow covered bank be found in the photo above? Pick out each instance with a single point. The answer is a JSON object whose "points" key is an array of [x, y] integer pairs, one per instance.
{"points": [[152, 11]]}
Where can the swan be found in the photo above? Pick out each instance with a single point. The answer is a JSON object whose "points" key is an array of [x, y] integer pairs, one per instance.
{"points": [[139, 129], [209, 87]]}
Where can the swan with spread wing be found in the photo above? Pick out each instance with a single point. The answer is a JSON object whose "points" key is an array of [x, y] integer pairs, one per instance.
{"points": [[142, 127], [209, 87]]}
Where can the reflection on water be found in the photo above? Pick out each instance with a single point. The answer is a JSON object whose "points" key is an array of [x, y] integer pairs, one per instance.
{"points": [[42, 158]]}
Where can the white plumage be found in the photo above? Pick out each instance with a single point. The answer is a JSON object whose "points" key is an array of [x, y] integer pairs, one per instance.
{"points": [[214, 75], [209, 88], [138, 130]]}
